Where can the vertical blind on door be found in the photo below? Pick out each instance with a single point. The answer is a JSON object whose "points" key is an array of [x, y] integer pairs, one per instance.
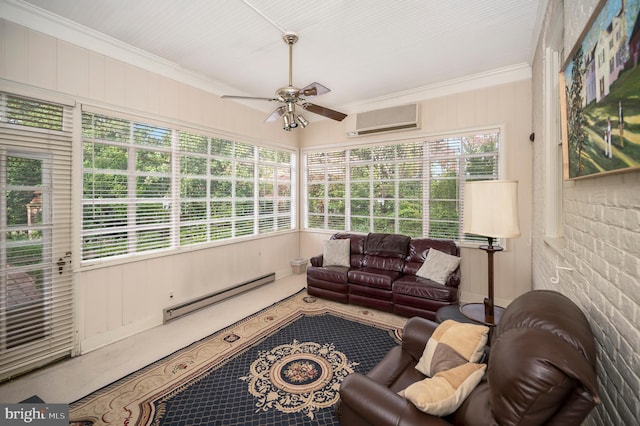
{"points": [[36, 292]]}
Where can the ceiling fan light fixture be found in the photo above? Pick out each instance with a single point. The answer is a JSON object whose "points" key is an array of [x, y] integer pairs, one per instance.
{"points": [[292, 120], [303, 122], [286, 124]]}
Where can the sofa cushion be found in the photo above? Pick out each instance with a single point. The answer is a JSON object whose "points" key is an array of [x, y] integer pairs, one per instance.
{"points": [[387, 245], [337, 253], [372, 277], [371, 292], [452, 344], [420, 288], [384, 263], [442, 394], [438, 266]]}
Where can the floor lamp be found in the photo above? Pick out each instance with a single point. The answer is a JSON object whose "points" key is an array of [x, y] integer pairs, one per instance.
{"points": [[490, 210]]}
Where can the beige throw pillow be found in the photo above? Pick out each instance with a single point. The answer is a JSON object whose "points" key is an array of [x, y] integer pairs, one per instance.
{"points": [[337, 252], [443, 393], [438, 266], [452, 344]]}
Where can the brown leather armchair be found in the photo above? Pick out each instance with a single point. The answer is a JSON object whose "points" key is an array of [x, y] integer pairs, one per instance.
{"points": [[541, 370]]}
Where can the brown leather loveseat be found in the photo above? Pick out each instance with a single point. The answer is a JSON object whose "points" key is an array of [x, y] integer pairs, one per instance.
{"points": [[382, 275], [541, 371]]}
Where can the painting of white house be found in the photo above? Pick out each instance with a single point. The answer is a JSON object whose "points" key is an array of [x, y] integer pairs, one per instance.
{"points": [[601, 85]]}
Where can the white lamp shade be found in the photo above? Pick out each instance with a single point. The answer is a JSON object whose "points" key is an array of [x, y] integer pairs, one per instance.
{"points": [[491, 208]]}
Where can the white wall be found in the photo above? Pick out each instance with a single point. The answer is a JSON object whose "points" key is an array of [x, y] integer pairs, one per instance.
{"points": [[122, 300], [507, 105], [119, 300], [601, 243]]}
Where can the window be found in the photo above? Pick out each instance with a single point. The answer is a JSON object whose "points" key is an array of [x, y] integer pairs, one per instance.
{"points": [[326, 189], [412, 187], [32, 113], [149, 188]]}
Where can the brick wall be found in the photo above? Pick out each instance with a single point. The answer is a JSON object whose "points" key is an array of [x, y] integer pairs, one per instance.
{"points": [[602, 245], [602, 233]]}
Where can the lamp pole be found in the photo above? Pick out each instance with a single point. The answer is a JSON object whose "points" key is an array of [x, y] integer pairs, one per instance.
{"points": [[489, 311]]}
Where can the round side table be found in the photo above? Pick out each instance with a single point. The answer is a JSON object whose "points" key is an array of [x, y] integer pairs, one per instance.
{"points": [[451, 312], [475, 312]]}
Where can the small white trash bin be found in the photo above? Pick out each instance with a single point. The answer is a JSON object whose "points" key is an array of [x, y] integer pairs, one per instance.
{"points": [[299, 266]]}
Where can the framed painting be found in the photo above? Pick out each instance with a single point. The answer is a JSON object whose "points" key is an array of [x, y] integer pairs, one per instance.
{"points": [[600, 94]]}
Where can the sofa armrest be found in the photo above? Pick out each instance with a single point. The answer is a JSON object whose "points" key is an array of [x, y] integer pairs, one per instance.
{"points": [[394, 363], [378, 405], [415, 335], [454, 279], [316, 260]]}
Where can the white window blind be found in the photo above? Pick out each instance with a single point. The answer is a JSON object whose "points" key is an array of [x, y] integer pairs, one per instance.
{"points": [[275, 177], [127, 187], [36, 292], [326, 190], [153, 188], [409, 187]]}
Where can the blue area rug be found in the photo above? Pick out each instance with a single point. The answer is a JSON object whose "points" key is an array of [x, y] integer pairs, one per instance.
{"points": [[327, 346], [281, 366]]}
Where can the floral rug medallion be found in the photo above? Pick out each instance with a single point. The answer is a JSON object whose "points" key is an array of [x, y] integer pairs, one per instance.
{"points": [[298, 377]]}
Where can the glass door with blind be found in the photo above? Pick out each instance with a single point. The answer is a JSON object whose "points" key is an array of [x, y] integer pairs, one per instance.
{"points": [[36, 292], [27, 247]]}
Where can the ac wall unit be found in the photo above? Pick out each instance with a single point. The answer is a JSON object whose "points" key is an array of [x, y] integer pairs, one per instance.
{"points": [[402, 117]]}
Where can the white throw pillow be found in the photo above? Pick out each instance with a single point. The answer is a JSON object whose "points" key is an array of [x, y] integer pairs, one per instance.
{"points": [[438, 266], [443, 394], [452, 344], [337, 252]]}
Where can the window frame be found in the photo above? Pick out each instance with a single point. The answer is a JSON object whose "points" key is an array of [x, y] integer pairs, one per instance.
{"points": [[463, 239], [177, 238]]}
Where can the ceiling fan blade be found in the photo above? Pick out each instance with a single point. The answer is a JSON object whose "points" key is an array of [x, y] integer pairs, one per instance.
{"points": [[276, 114], [255, 98], [314, 89], [326, 112]]}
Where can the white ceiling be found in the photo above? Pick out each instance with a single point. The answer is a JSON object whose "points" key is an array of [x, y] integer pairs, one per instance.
{"points": [[362, 49]]}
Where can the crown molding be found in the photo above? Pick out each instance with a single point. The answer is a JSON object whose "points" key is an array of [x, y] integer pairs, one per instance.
{"points": [[446, 88]]}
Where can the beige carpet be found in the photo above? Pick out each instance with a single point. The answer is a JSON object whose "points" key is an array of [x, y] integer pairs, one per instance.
{"points": [[126, 402]]}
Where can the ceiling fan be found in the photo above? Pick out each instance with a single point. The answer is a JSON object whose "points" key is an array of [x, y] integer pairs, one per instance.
{"points": [[291, 96]]}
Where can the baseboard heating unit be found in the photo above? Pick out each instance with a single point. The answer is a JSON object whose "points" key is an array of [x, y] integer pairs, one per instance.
{"points": [[173, 312]]}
